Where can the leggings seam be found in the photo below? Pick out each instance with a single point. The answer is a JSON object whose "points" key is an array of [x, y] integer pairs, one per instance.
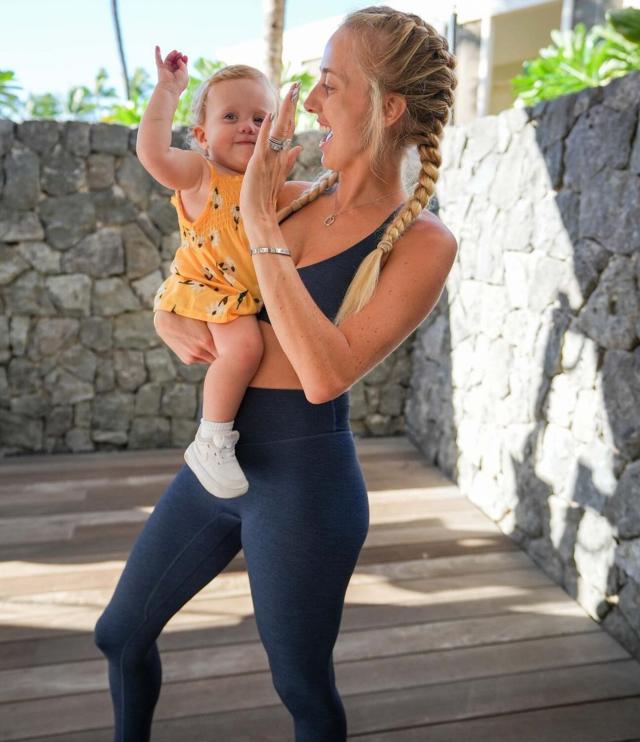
{"points": [[179, 554], [273, 441], [147, 616]]}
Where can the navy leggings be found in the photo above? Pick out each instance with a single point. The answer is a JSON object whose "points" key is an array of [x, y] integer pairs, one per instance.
{"points": [[301, 525]]}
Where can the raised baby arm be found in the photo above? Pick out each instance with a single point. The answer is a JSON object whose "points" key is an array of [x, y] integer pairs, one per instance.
{"points": [[175, 168]]}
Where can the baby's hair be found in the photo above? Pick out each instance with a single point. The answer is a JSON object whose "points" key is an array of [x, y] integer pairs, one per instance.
{"points": [[230, 72], [398, 53]]}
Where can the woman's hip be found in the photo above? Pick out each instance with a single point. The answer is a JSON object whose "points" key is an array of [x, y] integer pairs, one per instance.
{"points": [[305, 492], [271, 415]]}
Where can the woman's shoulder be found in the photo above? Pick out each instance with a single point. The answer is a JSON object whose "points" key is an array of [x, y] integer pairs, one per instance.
{"points": [[427, 231]]}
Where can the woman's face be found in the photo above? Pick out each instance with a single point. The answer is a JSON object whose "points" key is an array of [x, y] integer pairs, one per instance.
{"points": [[340, 99]]}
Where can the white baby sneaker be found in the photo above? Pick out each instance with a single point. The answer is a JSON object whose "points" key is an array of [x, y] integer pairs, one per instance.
{"points": [[213, 460]]}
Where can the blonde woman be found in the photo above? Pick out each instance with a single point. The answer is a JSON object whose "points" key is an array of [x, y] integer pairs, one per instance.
{"points": [[361, 264]]}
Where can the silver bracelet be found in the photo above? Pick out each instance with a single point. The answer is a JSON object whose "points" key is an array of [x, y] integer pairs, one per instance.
{"points": [[279, 250]]}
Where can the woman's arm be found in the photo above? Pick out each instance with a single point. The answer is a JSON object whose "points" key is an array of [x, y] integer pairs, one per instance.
{"points": [[327, 359]]}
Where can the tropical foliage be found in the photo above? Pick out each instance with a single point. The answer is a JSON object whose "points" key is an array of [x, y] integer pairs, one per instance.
{"points": [[9, 101], [100, 102], [579, 58]]}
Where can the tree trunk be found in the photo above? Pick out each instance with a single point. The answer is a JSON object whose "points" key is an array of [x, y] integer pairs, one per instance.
{"points": [[274, 28], [123, 61]]}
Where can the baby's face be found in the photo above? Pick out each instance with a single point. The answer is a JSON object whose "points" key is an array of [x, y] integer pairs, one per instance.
{"points": [[235, 110]]}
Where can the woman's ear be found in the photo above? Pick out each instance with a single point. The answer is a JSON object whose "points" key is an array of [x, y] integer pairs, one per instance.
{"points": [[393, 108]]}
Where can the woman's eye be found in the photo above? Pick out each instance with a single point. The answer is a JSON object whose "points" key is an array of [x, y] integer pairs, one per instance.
{"points": [[326, 87]]}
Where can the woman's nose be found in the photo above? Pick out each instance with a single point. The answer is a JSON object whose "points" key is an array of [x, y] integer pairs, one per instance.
{"points": [[310, 101]]}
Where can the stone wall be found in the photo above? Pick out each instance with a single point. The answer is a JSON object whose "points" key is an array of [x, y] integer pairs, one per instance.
{"points": [[86, 237], [525, 383]]}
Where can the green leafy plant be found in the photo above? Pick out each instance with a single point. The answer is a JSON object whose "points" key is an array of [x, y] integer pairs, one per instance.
{"points": [[626, 21], [84, 103], [130, 112], [9, 101], [45, 106], [81, 103], [579, 58]]}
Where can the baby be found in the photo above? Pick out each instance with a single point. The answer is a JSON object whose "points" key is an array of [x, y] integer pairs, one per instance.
{"points": [[212, 276]]}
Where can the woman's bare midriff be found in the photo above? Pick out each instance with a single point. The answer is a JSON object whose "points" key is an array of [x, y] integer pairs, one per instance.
{"points": [[275, 371], [305, 241]]}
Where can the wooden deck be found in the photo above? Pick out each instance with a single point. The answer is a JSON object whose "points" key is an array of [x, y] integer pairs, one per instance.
{"points": [[449, 632]]}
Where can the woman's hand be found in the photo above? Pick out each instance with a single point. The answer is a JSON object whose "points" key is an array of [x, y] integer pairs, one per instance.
{"points": [[268, 169], [173, 71], [188, 338]]}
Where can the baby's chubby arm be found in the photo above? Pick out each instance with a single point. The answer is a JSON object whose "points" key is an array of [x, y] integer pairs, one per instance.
{"points": [[174, 168]]}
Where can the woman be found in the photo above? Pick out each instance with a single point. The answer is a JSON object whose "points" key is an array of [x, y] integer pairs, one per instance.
{"points": [[387, 84]]}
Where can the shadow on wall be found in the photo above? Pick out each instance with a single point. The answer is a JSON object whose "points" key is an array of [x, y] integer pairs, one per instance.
{"points": [[526, 379]]}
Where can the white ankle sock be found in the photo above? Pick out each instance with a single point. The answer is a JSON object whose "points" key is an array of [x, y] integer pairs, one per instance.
{"points": [[211, 426]]}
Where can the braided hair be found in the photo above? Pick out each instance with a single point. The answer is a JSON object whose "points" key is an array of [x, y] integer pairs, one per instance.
{"points": [[398, 53]]}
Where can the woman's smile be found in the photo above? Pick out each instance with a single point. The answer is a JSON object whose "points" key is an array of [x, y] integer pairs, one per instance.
{"points": [[326, 139]]}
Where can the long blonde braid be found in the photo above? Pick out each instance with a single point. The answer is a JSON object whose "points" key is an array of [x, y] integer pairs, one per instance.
{"points": [[317, 187], [399, 52], [430, 160]]}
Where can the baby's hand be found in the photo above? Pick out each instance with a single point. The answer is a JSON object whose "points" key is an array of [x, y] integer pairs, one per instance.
{"points": [[173, 71]]}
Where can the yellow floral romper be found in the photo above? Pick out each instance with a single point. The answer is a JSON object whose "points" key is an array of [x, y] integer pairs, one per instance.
{"points": [[212, 275]]}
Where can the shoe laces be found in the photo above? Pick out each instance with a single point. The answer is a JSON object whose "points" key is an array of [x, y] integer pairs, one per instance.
{"points": [[223, 442]]}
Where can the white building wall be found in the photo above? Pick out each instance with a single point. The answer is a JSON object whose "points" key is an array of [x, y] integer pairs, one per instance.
{"points": [[303, 45]]}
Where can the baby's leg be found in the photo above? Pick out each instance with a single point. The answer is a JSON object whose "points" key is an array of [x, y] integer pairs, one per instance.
{"points": [[239, 347], [211, 455]]}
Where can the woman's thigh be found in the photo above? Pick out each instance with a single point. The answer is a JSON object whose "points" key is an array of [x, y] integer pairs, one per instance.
{"points": [[304, 522], [189, 537]]}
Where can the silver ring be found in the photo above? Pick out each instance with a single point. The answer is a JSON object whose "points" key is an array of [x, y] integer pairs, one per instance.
{"points": [[279, 144]]}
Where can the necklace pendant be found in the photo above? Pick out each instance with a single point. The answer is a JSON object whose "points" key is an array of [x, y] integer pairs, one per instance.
{"points": [[329, 220]]}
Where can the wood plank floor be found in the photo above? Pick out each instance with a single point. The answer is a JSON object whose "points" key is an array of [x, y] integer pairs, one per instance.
{"points": [[449, 632]]}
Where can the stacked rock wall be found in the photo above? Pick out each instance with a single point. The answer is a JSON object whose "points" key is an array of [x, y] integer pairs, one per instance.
{"points": [[86, 237], [525, 382]]}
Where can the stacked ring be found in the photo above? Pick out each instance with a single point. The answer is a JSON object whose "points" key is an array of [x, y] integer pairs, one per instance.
{"points": [[279, 144]]}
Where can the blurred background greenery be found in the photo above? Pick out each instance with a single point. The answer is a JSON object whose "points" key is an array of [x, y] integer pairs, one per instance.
{"points": [[575, 59], [580, 59]]}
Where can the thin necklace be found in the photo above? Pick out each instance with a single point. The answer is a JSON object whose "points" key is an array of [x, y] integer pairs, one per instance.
{"points": [[329, 220]]}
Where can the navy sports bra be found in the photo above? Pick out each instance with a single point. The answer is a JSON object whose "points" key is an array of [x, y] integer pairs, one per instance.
{"points": [[328, 280]]}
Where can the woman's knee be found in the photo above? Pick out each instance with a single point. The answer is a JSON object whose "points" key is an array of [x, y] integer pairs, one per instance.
{"points": [[111, 633], [302, 685], [313, 701], [103, 634]]}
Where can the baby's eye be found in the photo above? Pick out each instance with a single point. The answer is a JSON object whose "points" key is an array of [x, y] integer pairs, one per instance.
{"points": [[259, 119], [229, 115]]}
